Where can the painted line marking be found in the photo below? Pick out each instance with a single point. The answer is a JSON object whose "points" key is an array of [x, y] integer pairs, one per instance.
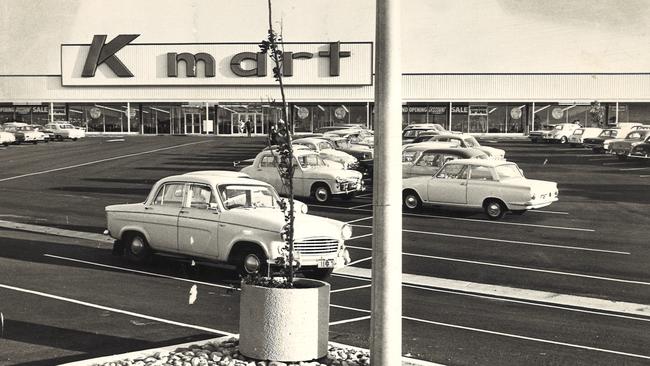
{"points": [[630, 169], [350, 288], [364, 195], [115, 310], [505, 293], [366, 317], [360, 206], [103, 160], [360, 236], [116, 140], [507, 241], [141, 272], [359, 261], [540, 340], [550, 212], [350, 308], [465, 219], [361, 219], [618, 163], [597, 159], [55, 231], [644, 176]]}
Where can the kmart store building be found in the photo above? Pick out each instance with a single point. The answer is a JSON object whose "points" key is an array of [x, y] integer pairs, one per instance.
{"points": [[140, 70]]}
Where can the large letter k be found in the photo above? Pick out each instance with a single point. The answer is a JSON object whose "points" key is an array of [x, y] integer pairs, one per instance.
{"points": [[104, 53]]}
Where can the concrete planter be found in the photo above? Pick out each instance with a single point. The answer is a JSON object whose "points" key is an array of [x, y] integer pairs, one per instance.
{"points": [[280, 324]]}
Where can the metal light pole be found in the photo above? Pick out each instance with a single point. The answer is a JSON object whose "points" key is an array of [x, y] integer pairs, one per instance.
{"points": [[386, 323]]}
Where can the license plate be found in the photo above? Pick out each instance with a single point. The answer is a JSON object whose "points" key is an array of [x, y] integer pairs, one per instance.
{"points": [[326, 263]]}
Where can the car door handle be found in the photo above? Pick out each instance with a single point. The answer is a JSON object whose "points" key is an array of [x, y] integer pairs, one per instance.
{"points": [[183, 211]]}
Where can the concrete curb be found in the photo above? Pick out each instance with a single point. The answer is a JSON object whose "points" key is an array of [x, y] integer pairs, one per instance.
{"points": [[406, 361]]}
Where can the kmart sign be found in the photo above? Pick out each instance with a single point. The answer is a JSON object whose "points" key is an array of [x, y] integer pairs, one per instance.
{"points": [[120, 62]]}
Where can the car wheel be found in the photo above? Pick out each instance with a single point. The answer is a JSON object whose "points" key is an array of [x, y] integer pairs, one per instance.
{"points": [[597, 150], [34, 142], [411, 200], [59, 138], [518, 212], [252, 260], [5, 144], [494, 209], [321, 193], [321, 274], [563, 140], [74, 139], [137, 248], [621, 156]]}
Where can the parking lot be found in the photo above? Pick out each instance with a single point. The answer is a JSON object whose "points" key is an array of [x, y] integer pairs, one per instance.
{"points": [[567, 284]]}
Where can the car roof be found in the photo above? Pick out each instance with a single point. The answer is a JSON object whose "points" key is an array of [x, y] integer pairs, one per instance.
{"points": [[309, 139], [466, 151], [482, 162], [219, 173], [212, 180]]}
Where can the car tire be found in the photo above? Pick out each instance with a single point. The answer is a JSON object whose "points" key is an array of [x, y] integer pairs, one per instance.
{"points": [[321, 193], [518, 212], [74, 139], [34, 142], [137, 248], [320, 274], [251, 254], [621, 157], [494, 209], [563, 140], [5, 144], [411, 200], [59, 138]]}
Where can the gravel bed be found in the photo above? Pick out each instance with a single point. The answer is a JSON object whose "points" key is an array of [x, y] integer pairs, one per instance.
{"points": [[226, 353]]}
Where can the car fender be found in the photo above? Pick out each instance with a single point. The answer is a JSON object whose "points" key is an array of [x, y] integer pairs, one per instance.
{"points": [[139, 229]]}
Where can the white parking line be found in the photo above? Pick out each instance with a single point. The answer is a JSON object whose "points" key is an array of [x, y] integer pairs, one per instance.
{"points": [[597, 159], [360, 206], [115, 310], [360, 236], [465, 219], [102, 160], [350, 308], [507, 241], [550, 212], [364, 195], [359, 261], [350, 288], [141, 272], [366, 317], [644, 176], [630, 169], [617, 163], [361, 219], [571, 345]]}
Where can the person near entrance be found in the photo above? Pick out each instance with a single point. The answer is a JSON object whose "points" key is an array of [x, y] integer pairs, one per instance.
{"points": [[241, 126], [247, 127]]}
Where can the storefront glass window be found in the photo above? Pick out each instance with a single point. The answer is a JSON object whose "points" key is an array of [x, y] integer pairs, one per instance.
{"points": [[32, 114], [104, 117]]}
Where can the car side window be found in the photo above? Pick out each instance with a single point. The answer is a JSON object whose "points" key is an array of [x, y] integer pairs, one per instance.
{"points": [[200, 196], [480, 173], [171, 194], [429, 160], [268, 162], [453, 171]]}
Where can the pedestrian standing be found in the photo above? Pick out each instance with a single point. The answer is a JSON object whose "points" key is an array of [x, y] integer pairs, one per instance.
{"points": [[248, 126]]}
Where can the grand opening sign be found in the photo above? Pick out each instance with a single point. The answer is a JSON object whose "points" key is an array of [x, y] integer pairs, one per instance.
{"points": [[120, 62]]}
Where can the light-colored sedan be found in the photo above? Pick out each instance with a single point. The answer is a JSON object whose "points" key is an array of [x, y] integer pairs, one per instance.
{"points": [[6, 138], [427, 161], [466, 140], [582, 133], [492, 185], [328, 152], [65, 130], [23, 132], [312, 177], [217, 218]]}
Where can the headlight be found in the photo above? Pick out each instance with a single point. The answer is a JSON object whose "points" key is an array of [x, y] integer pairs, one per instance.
{"points": [[339, 180], [303, 208], [346, 232]]}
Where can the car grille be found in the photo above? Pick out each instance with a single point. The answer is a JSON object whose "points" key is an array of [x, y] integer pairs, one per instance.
{"points": [[316, 245]]}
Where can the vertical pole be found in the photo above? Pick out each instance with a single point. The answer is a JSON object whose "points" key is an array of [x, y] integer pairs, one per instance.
{"points": [[386, 321], [368, 115], [128, 117], [617, 113], [51, 112], [532, 115], [450, 105]]}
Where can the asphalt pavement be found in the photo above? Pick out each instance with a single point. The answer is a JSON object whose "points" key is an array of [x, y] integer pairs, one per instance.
{"points": [[581, 260]]}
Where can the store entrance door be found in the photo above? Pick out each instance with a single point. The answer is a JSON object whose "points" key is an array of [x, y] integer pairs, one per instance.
{"points": [[192, 123], [256, 122]]}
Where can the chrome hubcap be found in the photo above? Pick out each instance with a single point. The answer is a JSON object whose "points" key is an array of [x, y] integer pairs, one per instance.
{"points": [[137, 246], [411, 201], [321, 194], [252, 263], [494, 209]]}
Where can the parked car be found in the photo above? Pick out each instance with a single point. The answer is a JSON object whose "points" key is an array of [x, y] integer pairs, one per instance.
{"points": [[364, 153], [338, 127], [601, 143], [408, 153], [48, 135], [428, 161], [576, 139], [538, 135], [622, 147], [560, 133], [425, 136], [495, 186], [411, 132], [65, 130], [328, 152], [360, 136], [642, 150], [23, 133], [6, 138], [466, 140], [217, 218], [312, 177]]}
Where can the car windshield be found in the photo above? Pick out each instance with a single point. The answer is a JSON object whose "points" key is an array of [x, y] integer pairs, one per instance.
{"points": [[407, 156], [310, 161], [609, 133], [342, 144], [247, 196], [508, 171], [636, 135], [579, 131], [411, 133], [471, 142], [559, 127], [67, 127], [325, 145]]}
